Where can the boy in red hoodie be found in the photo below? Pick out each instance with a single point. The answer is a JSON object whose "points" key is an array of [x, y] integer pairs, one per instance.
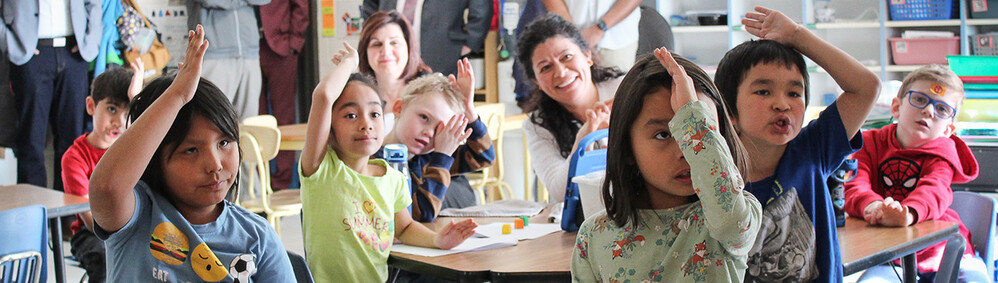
{"points": [[905, 169]]}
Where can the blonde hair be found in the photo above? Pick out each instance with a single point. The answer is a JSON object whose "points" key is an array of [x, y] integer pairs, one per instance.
{"points": [[935, 73], [433, 83]]}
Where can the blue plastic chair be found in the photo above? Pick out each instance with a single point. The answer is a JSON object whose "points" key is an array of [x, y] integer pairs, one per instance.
{"points": [[582, 162], [302, 273], [23, 243], [978, 213]]}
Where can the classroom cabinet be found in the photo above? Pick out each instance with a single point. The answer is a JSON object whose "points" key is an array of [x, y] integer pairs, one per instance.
{"points": [[862, 28]]}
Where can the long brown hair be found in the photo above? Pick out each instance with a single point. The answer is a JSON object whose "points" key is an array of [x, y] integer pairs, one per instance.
{"points": [[378, 20], [624, 188]]}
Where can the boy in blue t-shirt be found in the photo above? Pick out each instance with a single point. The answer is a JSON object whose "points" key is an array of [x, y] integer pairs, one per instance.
{"points": [[766, 82]]}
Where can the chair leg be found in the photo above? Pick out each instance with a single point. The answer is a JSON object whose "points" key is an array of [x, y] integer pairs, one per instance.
{"points": [[274, 222]]}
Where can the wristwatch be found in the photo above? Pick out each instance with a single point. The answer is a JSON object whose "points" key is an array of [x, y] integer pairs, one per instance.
{"points": [[601, 25]]}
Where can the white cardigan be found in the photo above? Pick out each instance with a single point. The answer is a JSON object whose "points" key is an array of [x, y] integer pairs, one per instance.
{"points": [[545, 157]]}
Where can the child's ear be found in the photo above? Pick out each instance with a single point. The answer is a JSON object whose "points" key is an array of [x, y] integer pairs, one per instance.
{"points": [[896, 107], [950, 129], [91, 105], [397, 108]]}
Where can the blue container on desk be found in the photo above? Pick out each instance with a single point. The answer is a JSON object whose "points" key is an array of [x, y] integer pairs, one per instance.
{"points": [[582, 162]]}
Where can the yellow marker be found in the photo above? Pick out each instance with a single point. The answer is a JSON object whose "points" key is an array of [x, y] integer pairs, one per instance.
{"points": [[506, 229], [938, 89], [518, 224]]}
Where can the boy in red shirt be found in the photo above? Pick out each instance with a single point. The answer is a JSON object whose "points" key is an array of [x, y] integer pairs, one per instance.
{"points": [[108, 104], [905, 169]]}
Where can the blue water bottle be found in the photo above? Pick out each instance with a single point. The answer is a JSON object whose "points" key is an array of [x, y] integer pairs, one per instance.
{"points": [[836, 183], [397, 156]]}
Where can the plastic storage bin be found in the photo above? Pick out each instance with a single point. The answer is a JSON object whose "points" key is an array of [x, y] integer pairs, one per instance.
{"points": [[918, 51], [984, 44], [974, 66], [905, 10], [983, 9]]}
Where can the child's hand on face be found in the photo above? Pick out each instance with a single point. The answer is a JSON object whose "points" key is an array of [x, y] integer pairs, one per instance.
{"points": [[455, 233], [189, 74], [682, 85], [772, 25], [348, 56], [895, 214], [138, 73], [448, 136], [465, 83]]}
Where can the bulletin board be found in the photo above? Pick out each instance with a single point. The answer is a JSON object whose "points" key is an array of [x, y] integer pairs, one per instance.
{"points": [[170, 18]]}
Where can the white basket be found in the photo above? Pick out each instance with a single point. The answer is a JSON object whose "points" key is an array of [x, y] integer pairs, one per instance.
{"points": [[590, 190]]}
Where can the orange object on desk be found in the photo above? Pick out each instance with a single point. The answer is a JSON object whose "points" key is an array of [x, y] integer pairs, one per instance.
{"points": [[518, 224]]}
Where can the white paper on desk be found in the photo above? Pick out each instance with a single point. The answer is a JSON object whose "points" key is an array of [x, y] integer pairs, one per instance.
{"points": [[471, 244], [507, 207], [529, 232]]}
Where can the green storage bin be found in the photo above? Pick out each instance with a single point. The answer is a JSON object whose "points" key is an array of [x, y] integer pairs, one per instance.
{"points": [[973, 66]]}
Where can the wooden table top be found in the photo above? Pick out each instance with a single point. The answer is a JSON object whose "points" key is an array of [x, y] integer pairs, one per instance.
{"points": [[864, 245], [549, 255], [57, 204]]}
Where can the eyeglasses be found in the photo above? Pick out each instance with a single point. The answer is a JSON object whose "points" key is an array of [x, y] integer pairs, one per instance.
{"points": [[920, 100]]}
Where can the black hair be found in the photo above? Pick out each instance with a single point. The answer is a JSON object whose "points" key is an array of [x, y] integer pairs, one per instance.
{"points": [[364, 80], [624, 190], [735, 64], [550, 114], [208, 102], [112, 85]]}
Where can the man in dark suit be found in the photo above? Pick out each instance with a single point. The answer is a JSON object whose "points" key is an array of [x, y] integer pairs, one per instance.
{"points": [[49, 43], [443, 34], [283, 23]]}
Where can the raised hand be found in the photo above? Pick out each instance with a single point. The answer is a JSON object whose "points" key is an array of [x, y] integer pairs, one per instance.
{"points": [[348, 55], [189, 74], [138, 74], [682, 85], [465, 83], [455, 233], [772, 25], [448, 136]]}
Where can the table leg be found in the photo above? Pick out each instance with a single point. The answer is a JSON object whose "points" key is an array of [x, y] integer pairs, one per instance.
{"points": [[910, 269], [55, 232]]}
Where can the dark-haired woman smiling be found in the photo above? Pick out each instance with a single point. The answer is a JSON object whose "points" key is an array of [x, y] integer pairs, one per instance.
{"points": [[572, 98]]}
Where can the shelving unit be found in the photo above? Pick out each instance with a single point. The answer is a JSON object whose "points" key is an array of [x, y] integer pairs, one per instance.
{"points": [[864, 36]]}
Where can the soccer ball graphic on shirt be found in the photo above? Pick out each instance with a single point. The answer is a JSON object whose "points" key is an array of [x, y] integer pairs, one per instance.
{"points": [[242, 267]]}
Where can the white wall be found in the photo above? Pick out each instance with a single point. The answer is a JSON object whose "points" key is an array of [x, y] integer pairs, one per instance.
{"points": [[8, 167]]}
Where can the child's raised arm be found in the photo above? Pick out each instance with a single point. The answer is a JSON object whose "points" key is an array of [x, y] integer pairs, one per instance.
{"points": [[465, 83], [320, 117], [138, 73], [732, 215], [860, 86], [112, 201]]}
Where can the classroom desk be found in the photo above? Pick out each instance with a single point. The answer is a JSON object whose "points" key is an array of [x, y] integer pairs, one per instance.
{"points": [[292, 137], [57, 205], [864, 246], [546, 258]]}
